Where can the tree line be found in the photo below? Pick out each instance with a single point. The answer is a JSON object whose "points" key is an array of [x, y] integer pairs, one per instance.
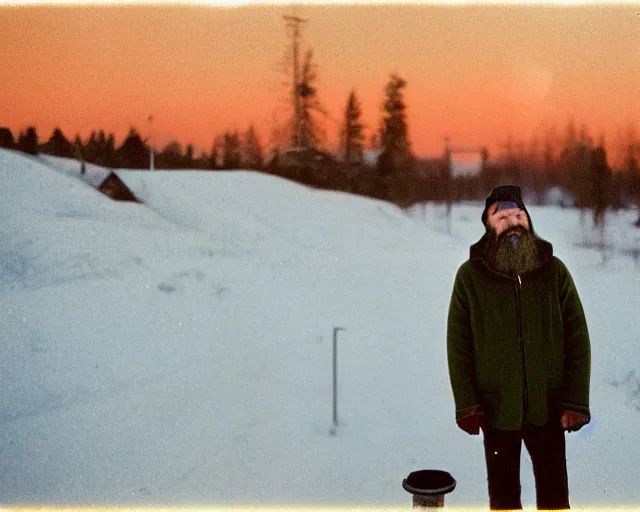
{"points": [[572, 162], [230, 150]]}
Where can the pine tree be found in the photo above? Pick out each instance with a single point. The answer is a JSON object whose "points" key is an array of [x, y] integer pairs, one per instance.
{"points": [[202, 162], [101, 147], [112, 159], [600, 178], [394, 133], [631, 166], [574, 164], [394, 129], [78, 148], [133, 152], [188, 157], [352, 137], [171, 156], [91, 151], [395, 164], [310, 133], [251, 153], [58, 145], [6, 138], [231, 151], [28, 142], [580, 170]]}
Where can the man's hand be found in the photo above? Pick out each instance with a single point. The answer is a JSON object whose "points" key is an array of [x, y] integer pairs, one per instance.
{"points": [[573, 421], [471, 424]]}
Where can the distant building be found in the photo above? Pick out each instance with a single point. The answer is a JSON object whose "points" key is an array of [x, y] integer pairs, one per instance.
{"points": [[466, 164], [114, 187], [455, 162], [104, 180]]}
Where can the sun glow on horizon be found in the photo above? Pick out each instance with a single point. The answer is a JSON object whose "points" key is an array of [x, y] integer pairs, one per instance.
{"points": [[479, 74]]}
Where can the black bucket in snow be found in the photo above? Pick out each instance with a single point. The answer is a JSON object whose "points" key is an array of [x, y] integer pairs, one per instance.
{"points": [[428, 487]]}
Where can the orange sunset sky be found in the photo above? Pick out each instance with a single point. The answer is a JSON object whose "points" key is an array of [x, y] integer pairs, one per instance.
{"points": [[478, 74]]}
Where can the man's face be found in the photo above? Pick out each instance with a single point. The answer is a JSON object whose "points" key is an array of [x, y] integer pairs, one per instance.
{"points": [[509, 221], [511, 248]]}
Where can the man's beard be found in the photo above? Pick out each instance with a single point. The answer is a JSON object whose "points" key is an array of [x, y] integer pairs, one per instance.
{"points": [[509, 258]]}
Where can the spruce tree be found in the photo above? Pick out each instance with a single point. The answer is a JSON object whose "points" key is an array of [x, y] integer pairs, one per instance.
{"points": [[134, 152], [394, 134], [188, 157], [78, 148], [600, 180], [395, 164], [101, 147], [58, 145], [310, 133], [251, 157], [631, 167], [171, 156], [91, 149], [6, 138], [231, 151], [28, 142], [112, 159], [352, 135]]}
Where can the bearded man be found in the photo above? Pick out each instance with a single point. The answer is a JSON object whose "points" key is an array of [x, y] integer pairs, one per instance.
{"points": [[519, 354]]}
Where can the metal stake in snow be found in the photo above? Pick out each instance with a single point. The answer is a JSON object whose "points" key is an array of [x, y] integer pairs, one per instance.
{"points": [[335, 380]]}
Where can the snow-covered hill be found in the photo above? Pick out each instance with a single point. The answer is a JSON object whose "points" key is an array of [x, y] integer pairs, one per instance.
{"points": [[179, 352]]}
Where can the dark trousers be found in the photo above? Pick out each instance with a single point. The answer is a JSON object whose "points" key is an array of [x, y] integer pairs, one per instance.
{"points": [[546, 446]]}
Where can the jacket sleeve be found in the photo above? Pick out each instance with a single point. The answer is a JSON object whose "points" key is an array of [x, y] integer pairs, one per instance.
{"points": [[460, 353], [577, 346]]}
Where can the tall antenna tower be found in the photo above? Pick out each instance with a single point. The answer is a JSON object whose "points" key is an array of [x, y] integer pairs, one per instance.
{"points": [[293, 24]]}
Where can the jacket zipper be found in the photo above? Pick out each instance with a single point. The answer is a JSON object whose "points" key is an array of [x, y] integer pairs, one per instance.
{"points": [[522, 352]]}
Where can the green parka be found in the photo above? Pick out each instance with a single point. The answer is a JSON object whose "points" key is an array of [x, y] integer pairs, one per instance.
{"points": [[518, 348]]}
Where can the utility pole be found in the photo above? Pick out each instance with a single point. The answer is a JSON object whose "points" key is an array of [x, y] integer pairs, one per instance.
{"points": [[447, 182], [293, 24], [151, 153]]}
